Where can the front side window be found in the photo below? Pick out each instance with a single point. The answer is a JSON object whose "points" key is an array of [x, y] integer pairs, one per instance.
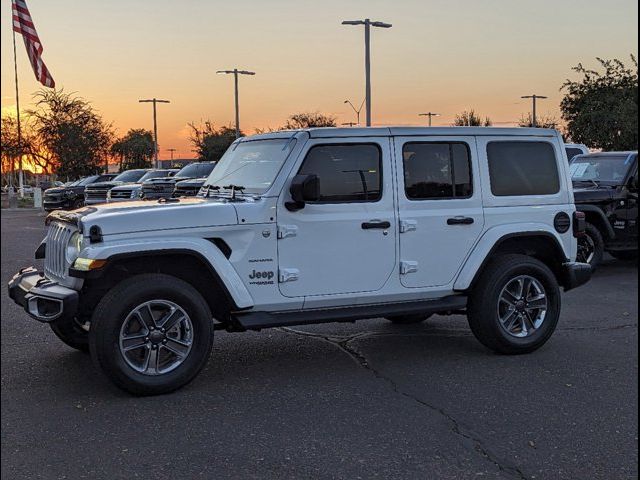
{"points": [[130, 176], [347, 172], [437, 170], [572, 152], [522, 168]]}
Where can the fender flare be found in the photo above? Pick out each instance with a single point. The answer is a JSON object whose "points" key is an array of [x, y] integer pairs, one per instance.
{"points": [[598, 211], [491, 239], [201, 248]]}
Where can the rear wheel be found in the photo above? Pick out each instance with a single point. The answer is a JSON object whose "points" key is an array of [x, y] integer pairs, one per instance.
{"points": [[590, 246], [151, 334], [515, 305], [408, 319]]}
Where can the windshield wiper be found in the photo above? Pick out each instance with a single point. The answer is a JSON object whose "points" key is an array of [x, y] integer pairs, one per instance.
{"points": [[590, 180], [208, 188], [234, 189]]}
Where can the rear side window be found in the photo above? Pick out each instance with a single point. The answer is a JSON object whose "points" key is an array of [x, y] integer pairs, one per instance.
{"points": [[348, 173], [522, 168], [437, 170]]}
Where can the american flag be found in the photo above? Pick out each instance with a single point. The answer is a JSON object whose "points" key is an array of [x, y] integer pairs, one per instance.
{"points": [[23, 24]]}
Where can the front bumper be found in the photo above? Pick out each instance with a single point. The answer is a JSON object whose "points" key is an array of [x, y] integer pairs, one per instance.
{"points": [[43, 299], [51, 205], [576, 274], [94, 201]]}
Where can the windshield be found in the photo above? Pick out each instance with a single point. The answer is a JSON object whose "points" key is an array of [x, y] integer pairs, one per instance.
{"points": [[252, 165], [155, 174], [130, 176], [85, 181], [196, 170], [572, 152], [600, 168]]}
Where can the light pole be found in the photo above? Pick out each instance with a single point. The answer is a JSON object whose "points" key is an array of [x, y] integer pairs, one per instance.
{"points": [[533, 97], [356, 110], [430, 115], [235, 73], [367, 57], [171, 150], [155, 126]]}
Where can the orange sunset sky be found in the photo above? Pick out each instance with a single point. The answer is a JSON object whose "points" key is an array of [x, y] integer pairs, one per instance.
{"points": [[441, 56]]}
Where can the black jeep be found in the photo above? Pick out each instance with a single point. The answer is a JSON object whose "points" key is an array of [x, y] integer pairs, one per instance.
{"points": [[71, 196], [606, 190]]}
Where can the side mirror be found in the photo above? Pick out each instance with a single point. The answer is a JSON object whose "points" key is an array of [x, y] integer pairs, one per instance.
{"points": [[633, 183], [304, 188]]}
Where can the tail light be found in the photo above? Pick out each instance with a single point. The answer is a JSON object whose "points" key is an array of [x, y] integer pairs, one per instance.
{"points": [[579, 224]]}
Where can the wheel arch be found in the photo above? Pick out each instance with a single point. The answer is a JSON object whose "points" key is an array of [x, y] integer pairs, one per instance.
{"points": [[597, 217], [540, 244]]}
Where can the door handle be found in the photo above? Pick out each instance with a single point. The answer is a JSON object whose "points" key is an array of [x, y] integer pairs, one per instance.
{"points": [[459, 221], [371, 225]]}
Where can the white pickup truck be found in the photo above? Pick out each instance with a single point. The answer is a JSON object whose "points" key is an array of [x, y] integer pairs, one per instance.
{"points": [[312, 226]]}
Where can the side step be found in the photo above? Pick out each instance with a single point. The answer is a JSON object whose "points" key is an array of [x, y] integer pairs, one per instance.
{"points": [[257, 320]]}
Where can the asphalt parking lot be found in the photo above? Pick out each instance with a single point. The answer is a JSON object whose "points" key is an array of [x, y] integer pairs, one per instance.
{"points": [[365, 400]]}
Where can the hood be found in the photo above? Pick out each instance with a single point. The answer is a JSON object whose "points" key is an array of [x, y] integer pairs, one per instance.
{"points": [[593, 194], [103, 185], [146, 216], [59, 190]]}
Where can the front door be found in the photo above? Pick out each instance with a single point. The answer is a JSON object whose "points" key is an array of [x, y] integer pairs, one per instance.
{"points": [[440, 205], [345, 242]]}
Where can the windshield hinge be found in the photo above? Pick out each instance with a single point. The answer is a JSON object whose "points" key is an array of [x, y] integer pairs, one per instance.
{"points": [[285, 231]]}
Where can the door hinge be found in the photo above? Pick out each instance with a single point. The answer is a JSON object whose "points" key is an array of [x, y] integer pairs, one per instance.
{"points": [[408, 225], [288, 275], [285, 231], [408, 267]]}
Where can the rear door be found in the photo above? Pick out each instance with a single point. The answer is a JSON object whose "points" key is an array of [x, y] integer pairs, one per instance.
{"points": [[440, 205], [345, 242]]}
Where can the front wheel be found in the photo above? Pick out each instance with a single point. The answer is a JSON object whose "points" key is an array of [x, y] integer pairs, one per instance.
{"points": [[515, 305], [590, 246], [151, 334], [71, 333]]}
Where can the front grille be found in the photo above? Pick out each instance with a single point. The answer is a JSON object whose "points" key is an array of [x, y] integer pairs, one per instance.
{"points": [[55, 262], [52, 198], [157, 190], [185, 191], [96, 193], [121, 193]]}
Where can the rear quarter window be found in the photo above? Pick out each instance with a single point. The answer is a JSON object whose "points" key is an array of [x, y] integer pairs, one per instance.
{"points": [[518, 168]]}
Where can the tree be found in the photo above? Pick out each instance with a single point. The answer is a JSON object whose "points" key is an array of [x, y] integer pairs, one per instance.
{"points": [[74, 135], [309, 120], [210, 143], [471, 119], [541, 121], [601, 108], [134, 150], [33, 153]]}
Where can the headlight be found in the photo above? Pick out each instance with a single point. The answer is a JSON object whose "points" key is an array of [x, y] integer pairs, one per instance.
{"points": [[74, 247], [135, 193]]}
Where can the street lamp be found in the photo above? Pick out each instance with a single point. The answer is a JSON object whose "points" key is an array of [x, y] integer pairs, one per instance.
{"points": [[367, 56], [155, 127], [430, 115], [534, 97], [235, 73], [358, 110]]}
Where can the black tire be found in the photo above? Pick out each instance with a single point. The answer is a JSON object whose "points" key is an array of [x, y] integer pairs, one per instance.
{"points": [[408, 319], [482, 308], [111, 313], [591, 244], [71, 334], [625, 255]]}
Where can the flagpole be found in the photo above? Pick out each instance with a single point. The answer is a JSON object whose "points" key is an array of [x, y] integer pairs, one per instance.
{"points": [[15, 71]]}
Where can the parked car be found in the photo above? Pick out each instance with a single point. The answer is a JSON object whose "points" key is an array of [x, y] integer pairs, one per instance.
{"points": [[188, 188], [606, 190], [97, 193], [318, 225], [133, 191], [46, 184], [574, 149], [164, 188], [71, 196]]}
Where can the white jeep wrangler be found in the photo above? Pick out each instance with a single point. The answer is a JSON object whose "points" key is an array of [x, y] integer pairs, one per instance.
{"points": [[312, 226]]}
